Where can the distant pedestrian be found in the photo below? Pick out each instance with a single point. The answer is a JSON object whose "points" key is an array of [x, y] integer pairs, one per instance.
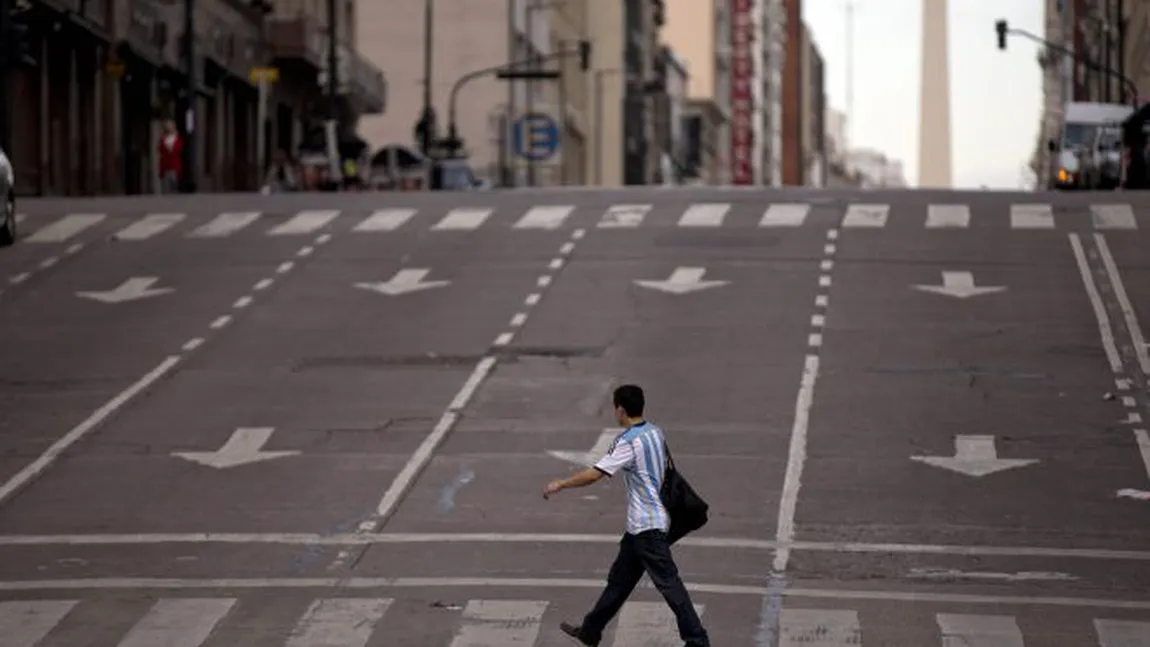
{"points": [[171, 151], [641, 453]]}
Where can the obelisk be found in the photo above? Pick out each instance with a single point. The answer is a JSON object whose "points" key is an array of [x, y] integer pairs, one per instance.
{"points": [[934, 102]]}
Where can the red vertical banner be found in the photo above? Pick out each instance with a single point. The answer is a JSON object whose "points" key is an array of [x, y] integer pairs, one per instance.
{"points": [[742, 93]]}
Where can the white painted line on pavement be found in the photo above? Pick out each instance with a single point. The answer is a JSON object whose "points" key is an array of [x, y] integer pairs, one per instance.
{"points": [[263, 284], [122, 583], [647, 623], [37, 467], [193, 344], [366, 537], [71, 250], [494, 623], [27, 622], [346, 622], [65, 228], [426, 450], [1128, 314], [960, 629], [1104, 329], [519, 319], [178, 623], [243, 302], [1122, 633], [532, 298], [819, 628], [796, 458], [285, 267], [221, 321]]}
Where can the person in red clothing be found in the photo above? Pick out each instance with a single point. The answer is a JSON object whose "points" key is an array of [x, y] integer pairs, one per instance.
{"points": [[171, 158]]}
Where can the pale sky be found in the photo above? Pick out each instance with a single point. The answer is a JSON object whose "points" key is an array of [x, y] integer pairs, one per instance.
{"points": [[996, 96]]}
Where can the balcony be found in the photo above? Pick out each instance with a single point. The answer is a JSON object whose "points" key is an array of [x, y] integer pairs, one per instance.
{"points": [[359, 80], [90, 14], [294, 34]]}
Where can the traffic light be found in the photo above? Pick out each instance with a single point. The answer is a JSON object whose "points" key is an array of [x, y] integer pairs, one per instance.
{"points": [[584, 55], [1000, 27]]}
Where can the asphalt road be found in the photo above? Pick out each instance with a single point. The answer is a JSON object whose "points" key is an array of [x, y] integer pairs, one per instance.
{"points": [[324, 420]]}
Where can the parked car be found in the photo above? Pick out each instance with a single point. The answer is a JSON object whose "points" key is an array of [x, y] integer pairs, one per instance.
{"points": [[7, 184]]}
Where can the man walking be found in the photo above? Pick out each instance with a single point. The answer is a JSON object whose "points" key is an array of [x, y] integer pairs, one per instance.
{"points": [[640, 452]]}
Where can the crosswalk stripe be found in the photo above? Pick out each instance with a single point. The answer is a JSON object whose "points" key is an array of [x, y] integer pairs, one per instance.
{"points": [[704, 215], [1113, 216], [25, 623], [962, 630], [65, 228], [178, 622], [304, 222], [947, 215], [385, 220], [462, 219], [495, 623], [346, 622], [819, 628], [651, 624], [866, 215], [149, 226], [624, 216], [1122, 633], [544, 217], [225, 224], [785, 215], [1031, 216]]}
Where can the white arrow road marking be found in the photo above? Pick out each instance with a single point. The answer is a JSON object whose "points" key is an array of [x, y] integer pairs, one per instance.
{"points": [[1144, 449], [682, 281], [404, 282], [960, 285], [587, 459], [243, 447], [137, 287], [974, 456]]}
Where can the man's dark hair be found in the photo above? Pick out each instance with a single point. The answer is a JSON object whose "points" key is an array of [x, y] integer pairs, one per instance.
{"points": [[630, 397]]}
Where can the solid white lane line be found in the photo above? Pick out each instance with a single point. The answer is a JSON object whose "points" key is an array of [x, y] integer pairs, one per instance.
{"points": [[796, 459], [1128, 314], [1104, 329], [37, 467]]}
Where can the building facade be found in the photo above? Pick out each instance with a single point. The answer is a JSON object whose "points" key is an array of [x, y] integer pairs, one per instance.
{"points": [[98, 79], [792, 96], [814, 110], [775, 18], [700, 33]]}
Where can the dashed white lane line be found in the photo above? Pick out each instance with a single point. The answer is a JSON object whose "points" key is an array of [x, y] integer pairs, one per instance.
{"points": [[426, 450], [45, 460], [51, 261], [797, 453]]}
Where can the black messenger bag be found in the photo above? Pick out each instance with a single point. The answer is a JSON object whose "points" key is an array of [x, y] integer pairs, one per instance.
{"points": [[688, 510]]}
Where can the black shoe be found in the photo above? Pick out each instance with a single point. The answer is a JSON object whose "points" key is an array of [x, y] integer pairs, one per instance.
{"points": [[576, 633]]}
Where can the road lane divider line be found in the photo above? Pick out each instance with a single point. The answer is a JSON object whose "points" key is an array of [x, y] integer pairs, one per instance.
{"points": [[51, 261], [415, 465], [38, 466], [1137, 339], [1104, 329], [77, 433], [770, 611], [362, 583], [361, 538]]}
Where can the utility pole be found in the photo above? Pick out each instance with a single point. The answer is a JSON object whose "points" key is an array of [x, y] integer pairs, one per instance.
{"points": [[193, 95], [333, 89], [426, 126], [6, 65], [850, 69]]}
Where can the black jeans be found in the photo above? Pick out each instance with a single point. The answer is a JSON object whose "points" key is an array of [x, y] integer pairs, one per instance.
{"points": [[647, 552]]}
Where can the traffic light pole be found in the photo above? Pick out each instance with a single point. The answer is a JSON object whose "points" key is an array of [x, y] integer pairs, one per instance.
{"points": [[1003, 30], [508, 72], [6, 75]]}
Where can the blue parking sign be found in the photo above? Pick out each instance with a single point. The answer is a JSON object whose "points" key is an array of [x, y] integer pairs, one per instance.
{"points": [[535, 136]]}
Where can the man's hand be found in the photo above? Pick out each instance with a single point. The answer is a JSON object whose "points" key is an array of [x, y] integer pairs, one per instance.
{"points": [[552, 488]]}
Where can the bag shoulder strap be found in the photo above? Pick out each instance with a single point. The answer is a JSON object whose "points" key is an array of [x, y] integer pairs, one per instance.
{"points": [[670, 464]]}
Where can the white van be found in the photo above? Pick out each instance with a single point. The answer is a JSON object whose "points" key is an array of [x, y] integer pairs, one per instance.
{"points": [[1081, 122]]}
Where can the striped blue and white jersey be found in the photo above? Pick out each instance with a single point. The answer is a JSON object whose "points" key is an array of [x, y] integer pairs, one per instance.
{"points": [[640, 453]]}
